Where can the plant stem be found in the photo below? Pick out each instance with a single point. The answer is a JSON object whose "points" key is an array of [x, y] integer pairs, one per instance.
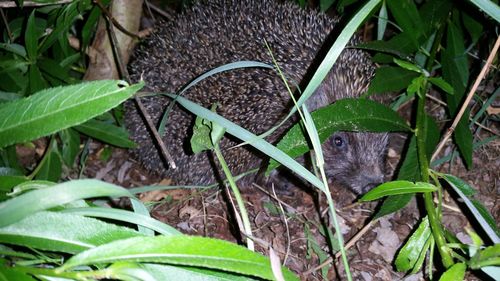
{"points": [[437, 231], [336, 225], [241, 205]]}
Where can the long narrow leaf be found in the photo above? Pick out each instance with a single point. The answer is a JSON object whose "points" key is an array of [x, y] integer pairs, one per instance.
{"points": [[256, 142], [26, 204], [125, 216], [59, 232], [181, 250]]}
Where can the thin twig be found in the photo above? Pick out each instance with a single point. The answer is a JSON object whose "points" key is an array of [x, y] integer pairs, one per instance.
{"points": [[469, 97]]}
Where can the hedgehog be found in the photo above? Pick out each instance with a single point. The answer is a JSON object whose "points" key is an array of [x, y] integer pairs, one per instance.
{"points": [[213, 33]]}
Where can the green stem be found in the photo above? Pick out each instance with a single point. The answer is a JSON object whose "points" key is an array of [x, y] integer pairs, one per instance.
{"points": [[336, 225], [241, 205], [435, 224]]}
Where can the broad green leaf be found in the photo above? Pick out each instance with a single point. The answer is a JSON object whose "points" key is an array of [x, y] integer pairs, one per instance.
{"points": [[70, 146], [200, 141], [125, 216], [455, 72], [343, 115], [54, 69], [397, 188], [409, 256], [54, 109], [51, 168], [14, 48], [36, 81], [455, 273], [8, 182], [397, 46], [407, 17], [392, 204], [391, 79], [180, 250], [106, 132], [434, 14], [59, 232], [26, 204], [31, 38]]}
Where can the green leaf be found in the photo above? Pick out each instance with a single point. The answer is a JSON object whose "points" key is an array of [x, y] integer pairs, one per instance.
{"points": [[180, 250], [456, 73], [474, 28], [70, 146], [28, 203], [442, 84], [200, 141], [489, 7], [343, 115], [434, 14], [486, 257], [454, 273], [392, 204], [485, 214], [36, 81], [397, 188], [407, 17], [397, 46], [125, 216], [481, 214], [54, 109], [106, 132], [168, 272], [460, 184], [52, 68], [14, 48], [12, 273], [51, 168], [410, 255], [66, 233], [409, 66], [31, 38], [391, 79]]}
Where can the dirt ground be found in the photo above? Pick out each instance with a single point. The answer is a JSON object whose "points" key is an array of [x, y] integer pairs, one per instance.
{"points": [[291, 223]]}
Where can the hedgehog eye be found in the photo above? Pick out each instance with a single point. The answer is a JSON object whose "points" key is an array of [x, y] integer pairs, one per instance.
{"points": [[338, 141]]}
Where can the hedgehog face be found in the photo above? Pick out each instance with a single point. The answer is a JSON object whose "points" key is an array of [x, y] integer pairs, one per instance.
{"points": [[356, 160]]}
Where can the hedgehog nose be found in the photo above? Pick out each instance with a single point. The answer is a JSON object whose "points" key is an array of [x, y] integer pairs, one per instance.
{"points": [[371, 181]]}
